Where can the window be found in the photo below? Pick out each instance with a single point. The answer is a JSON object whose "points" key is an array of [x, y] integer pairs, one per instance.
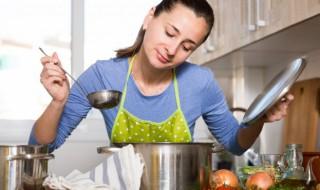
{"points": [[25, 25], [110, 25]]}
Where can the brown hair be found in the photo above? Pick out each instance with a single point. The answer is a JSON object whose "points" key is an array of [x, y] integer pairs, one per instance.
{"points": [[200, 7]]}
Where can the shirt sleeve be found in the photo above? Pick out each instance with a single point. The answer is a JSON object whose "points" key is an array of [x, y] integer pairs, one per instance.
{"points": [[75, 109], [221, 123], [32, 139]]}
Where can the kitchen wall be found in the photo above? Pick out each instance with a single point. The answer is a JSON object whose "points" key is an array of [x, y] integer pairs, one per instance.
{"points": [[311, 71]]}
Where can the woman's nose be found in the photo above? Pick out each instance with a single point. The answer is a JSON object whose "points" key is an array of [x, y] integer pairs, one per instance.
{"points": [[172, 48]]}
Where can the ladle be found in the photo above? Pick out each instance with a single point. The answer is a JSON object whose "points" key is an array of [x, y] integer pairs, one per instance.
{"points": [[103, 99]]}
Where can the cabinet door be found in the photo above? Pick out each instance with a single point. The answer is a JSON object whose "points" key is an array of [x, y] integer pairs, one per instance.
{"points": [[313, 7], [225, 35], [298, 10], [267, 17], [302, 122], [275, 15], [214, 41], [241, 22]]}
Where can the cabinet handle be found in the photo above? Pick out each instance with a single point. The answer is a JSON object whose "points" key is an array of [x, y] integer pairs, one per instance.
{"points": [[260, 20], [208, 45], [251, 25]]}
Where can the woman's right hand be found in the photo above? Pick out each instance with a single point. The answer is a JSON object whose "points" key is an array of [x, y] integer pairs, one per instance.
{"points": [[54, 79]]}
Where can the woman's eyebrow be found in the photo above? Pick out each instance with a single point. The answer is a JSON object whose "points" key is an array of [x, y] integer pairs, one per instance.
{"points": [[177, 30]]}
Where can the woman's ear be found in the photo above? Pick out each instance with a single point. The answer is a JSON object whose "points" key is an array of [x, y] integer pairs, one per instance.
{"points": [[148, 18]]}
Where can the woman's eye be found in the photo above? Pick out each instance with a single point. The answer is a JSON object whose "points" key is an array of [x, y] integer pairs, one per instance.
{"points": [[186, 48], [169, 34]]}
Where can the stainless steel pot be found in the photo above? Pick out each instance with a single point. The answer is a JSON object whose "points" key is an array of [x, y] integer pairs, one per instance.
{"points": [[23, 167], [174, 166]]}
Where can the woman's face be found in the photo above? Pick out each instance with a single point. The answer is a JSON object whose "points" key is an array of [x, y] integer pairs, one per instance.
{"points": [[172, 36]]}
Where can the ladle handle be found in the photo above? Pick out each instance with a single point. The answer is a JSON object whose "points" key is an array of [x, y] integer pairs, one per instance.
{"points": [[76, 82]]}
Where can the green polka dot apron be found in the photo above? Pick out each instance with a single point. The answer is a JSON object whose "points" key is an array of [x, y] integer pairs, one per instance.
{"points": [[128, 128]]}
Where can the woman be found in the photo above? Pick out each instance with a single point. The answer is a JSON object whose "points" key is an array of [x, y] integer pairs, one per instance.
{"points": [[163, 95]]}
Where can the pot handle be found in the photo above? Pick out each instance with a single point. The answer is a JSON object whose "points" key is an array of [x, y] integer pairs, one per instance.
{"points": [[108, 150], [30, 157], [217, 148]]}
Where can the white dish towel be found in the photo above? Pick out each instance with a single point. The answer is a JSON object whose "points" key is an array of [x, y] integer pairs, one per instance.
{"points": [[122, 170]]}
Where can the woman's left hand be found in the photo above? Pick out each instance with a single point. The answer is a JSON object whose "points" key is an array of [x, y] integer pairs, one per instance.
{"points": [[279, 110], [247, 135]]}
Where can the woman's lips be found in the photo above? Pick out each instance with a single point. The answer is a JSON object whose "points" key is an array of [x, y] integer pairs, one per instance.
{"points": [[162, 58]]}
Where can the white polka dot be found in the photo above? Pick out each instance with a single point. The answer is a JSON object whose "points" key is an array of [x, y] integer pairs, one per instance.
{"points": [[137, 123], [141, 140], [175, 136], [153, 140], [136, 134], [130, 137], [178, 128], [166, 130], [142, 129], [153, 131], [160, 136], [120, 132], [148, 135]]}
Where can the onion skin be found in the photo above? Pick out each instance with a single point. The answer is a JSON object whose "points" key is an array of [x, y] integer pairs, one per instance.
{"points": [[259, 180], [223, 179], [225, 188]]}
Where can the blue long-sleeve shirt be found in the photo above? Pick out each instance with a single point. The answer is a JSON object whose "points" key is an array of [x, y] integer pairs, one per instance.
{"points": [[199, 93]]}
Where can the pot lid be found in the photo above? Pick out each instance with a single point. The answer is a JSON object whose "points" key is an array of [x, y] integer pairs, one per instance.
{"points": [[275, 90]]}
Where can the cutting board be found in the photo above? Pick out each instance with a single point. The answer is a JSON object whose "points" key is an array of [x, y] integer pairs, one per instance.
{"points": [[302, 123]]}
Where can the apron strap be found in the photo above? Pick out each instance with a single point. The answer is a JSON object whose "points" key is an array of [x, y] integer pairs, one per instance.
{"points": [[124, 93], [176, 89], [175, 83]]}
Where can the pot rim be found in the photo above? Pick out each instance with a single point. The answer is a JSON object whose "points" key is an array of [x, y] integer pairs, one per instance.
{"points": [[38, 156], [167, 143], [21, 145], [216, 147]]}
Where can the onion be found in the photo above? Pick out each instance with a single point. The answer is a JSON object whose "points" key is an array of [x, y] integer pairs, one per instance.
{"points": [[223, 178], [259, 180]]}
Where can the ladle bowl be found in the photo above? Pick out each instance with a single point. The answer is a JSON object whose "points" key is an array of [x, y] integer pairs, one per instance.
{"points": [[104, 99]]}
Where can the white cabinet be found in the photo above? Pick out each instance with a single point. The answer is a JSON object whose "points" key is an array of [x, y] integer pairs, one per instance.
{"points": [[242, 22]]}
